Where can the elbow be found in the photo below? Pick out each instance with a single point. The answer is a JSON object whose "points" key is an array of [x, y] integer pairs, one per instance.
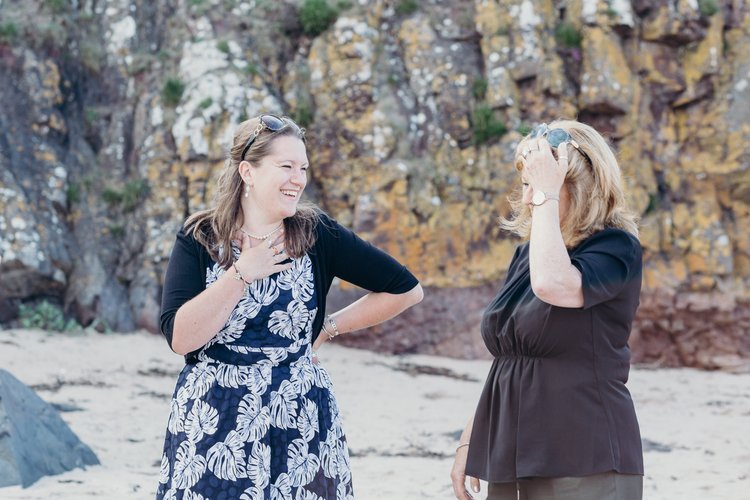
{"points": [[542, 288], [416, 295], [178, 348]]}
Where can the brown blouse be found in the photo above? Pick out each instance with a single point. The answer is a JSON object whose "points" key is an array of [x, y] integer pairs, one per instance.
{"points": [[555, 402]]}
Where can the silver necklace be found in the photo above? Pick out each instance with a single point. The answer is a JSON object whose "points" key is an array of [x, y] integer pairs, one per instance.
{"points": [[265, 236]]}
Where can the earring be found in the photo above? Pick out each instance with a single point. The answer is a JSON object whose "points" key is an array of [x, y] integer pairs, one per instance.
{"points": [[247, 190]]}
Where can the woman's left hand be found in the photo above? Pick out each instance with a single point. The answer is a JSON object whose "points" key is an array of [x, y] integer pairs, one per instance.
{"points": [[540, 169]]}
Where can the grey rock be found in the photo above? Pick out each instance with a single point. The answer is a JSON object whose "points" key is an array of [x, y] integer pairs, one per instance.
{"points": [[34, 440]]}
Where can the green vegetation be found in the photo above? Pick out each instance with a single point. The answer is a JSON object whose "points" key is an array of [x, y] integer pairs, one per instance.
{"points": [[342, 5], [132, 193], [708, 7], [223, 46], [92, 55], [406, 7], [73, 193], [116, 230], [242, 117], [479, 88], [172, 91], [568, 36], [303, 114], [45, 316], [486, 126], [316, 16], [524, 129], [57, 6], [611, 13], [251, 69], [206, 103], [8, 32], [654, 203]]}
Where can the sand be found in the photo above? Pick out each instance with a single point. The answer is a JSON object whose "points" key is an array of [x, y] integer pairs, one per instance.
{"points": [[402, 416]]}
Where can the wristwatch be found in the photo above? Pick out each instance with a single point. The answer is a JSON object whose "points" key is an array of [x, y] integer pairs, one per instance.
{"points": [[540, 197]]}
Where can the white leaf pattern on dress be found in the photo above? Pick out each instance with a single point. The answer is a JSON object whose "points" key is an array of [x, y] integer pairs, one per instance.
{"points": [[232, 329], [188, 466], [344, 468], [213, 273], [290, 323], [260, 293], [259, 464], [301, 465], [302, 374], [191, 495], [226, 459], [307, 421], [329, 455], [284, 406], [233, 376], [200, 379], [252, 493], [281, 489], [202, 419], [253, 419], [303, 494], [342, 494], [177, 411], [164, 469], [322, 379], [171, 494], [298, 279]]}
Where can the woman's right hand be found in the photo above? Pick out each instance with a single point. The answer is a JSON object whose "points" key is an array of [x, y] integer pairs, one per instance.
{"points": [[263, 259], [458, 476]]}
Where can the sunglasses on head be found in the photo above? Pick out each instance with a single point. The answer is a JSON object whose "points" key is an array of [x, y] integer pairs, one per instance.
{"points": [[266, 122], [555, 137]]}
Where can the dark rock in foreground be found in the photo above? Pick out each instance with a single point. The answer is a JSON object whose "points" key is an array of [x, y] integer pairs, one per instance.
{"points": [[34, 440]]}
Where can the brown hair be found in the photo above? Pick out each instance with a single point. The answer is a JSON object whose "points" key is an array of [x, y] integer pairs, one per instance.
{"points": [[597, 200], [215, 227]]}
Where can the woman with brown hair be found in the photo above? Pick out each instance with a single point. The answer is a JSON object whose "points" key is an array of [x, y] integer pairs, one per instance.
{"points": [[253, 414], [555, 420]]}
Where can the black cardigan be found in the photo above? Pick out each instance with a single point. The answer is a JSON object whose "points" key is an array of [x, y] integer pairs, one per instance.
{"points": [[337, 253]]}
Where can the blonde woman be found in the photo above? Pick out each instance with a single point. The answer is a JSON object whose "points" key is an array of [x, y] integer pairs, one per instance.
{"points": [[253, 414], [555, 420]]}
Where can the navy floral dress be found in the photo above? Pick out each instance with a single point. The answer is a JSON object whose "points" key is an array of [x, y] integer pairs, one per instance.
{"points": [[254, 418]]}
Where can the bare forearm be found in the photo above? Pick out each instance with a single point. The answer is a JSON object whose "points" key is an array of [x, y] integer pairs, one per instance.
{"points": [[374, 308], [201, 318], [553, 278], [466, 434]]}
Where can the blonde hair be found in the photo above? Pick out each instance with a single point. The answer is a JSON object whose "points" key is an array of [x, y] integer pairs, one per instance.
{"points": [[597, 200], [215, 227]]}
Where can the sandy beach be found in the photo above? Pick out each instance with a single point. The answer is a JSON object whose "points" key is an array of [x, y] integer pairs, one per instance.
{"points": [[402, 415]]}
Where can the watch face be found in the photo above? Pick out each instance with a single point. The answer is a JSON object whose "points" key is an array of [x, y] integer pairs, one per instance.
{"points": [[538, 198]]}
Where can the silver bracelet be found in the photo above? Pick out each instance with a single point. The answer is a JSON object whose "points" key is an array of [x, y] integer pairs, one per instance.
{"points": [[461, 446], [336, 331], [325, 330]]}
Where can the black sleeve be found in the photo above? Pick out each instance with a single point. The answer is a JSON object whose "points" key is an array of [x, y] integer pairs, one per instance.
{"points": [[607, 261], [183, 281], [354, 260]]}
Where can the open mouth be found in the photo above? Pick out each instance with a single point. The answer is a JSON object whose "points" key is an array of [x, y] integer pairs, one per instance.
{"points": [[290, 193]]}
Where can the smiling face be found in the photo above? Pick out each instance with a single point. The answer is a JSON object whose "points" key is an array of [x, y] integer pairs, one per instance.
{"points": [[277, 181]]}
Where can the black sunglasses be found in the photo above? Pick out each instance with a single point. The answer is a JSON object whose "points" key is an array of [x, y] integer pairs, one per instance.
{"points": [[267, 122], [555, 137]]}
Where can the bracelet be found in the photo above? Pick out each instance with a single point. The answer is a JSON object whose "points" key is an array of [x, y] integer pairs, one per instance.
{"points": [[461, 446], [336, 331], [325, 330], [238, 275]]}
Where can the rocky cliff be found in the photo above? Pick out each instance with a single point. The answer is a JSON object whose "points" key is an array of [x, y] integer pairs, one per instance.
{"points": [[117, 115]]}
